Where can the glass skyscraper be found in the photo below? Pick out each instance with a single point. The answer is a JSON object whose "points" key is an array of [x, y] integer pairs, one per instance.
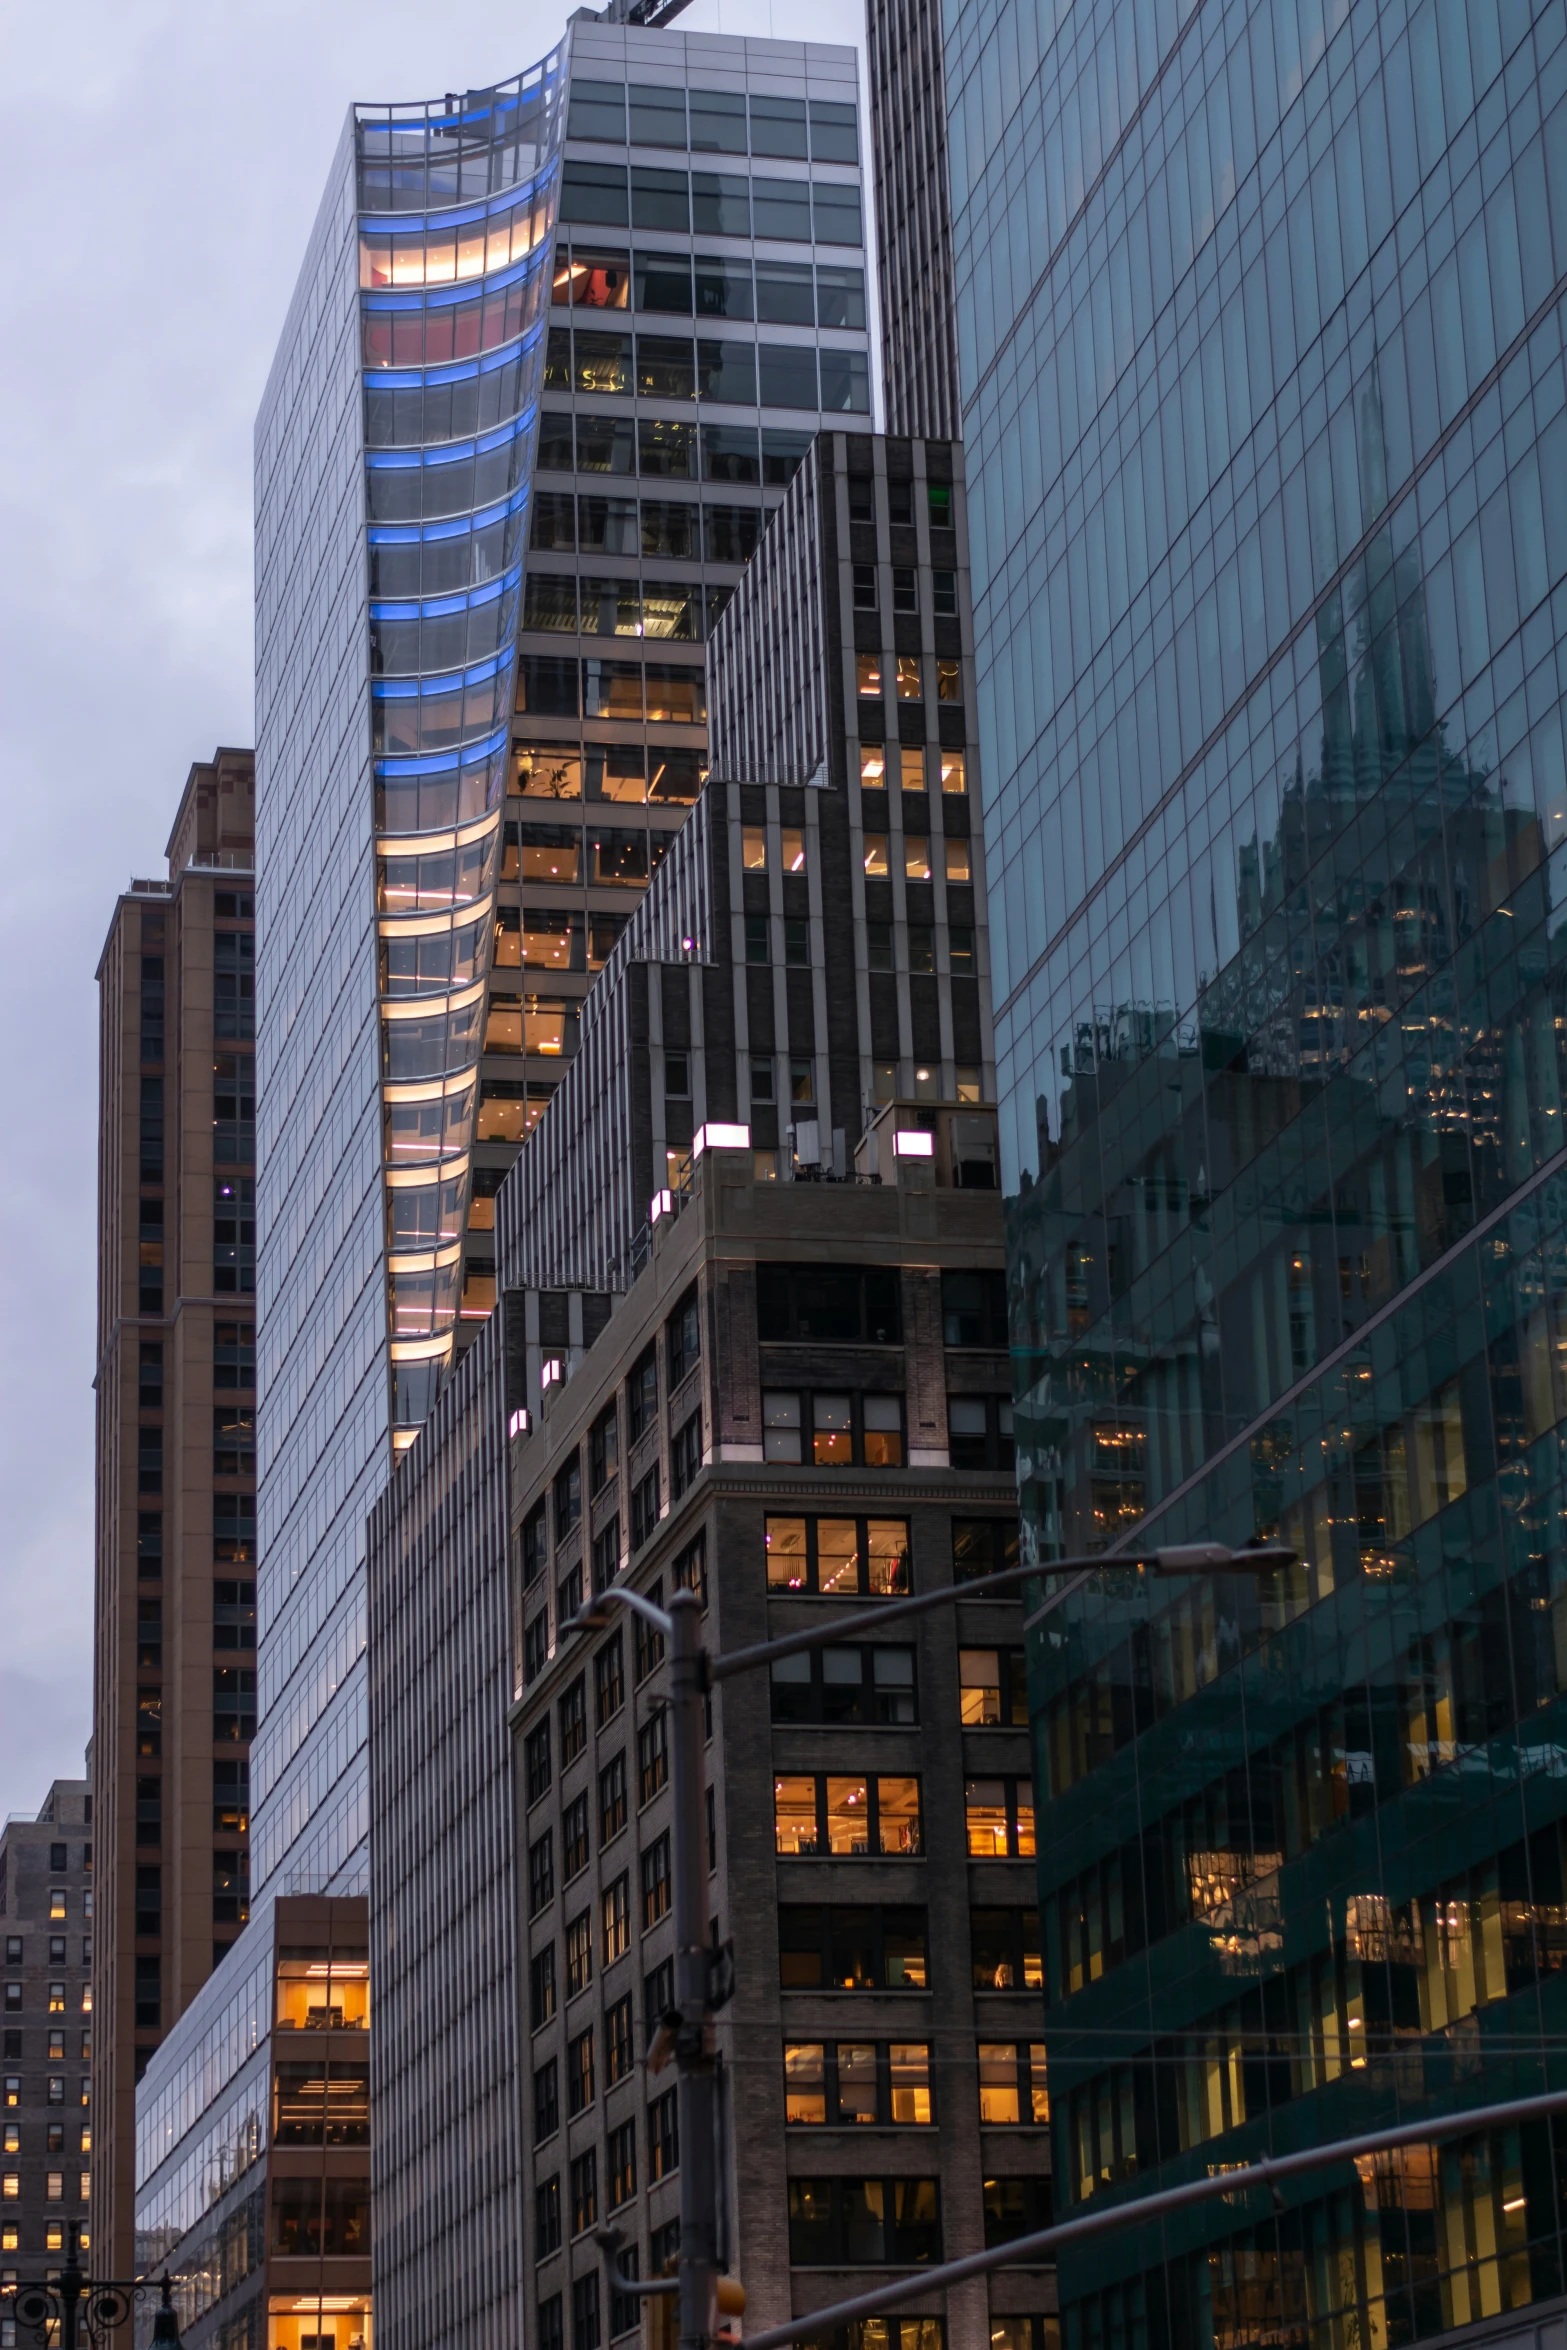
{"points": [[1265, 414]]}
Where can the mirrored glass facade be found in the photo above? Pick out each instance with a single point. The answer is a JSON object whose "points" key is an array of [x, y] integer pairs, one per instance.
{"points": [[401, 412], [1260, 328]]}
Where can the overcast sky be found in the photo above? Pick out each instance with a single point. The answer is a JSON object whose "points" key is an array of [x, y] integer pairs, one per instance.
{"points": [[165, 163]]}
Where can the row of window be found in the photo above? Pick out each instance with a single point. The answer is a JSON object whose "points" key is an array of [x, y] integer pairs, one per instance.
{"points": [[54, 2138], [660, 448], [54, 1998], [890, 2084], [672, 611], [713, 122], [855, 2223], [827, 1815], [16, 1946], [710, 203], [549, 686], [54, 2087], [740, 375], [871, 1558], [54, 2186], [874, 672], [678, 528], [713, 285], [54, 2051], [911, 854]]}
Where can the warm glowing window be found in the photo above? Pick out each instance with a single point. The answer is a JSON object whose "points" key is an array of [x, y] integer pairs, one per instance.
{"points": [[793, 850], [908, 2067], [57, 1901], [805, 2082], [910, 689], [985, 1808], [867, 673], [979, 1686], [753, 848], [959, 863], [794, 1816], [873, 768], [876, 853], [11, 2185], [322, 1995], [954, 775], [998, 2090], [832, 1430], [57, 1999]]}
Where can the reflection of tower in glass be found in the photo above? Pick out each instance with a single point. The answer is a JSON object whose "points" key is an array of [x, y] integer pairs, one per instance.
{"points": [[456, 215]]}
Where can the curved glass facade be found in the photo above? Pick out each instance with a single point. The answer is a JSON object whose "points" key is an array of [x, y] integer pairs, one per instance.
{"points": [[456, 216], [1263, 318]]}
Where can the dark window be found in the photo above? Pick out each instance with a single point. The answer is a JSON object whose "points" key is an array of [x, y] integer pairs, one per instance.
{"points": [[234, 1355], [983, 1546], [579, 1953], [595, 193], [606, 1555], [233, 1614], [615, 1920], [663, 2137], [573, 1711], [585, 2312], [840, 1686], [979, 1431], [612, 1798], [834, 137], [862, 2223], [758, 938], [644, 1508], [619, 2055], [685, 1456], [658, 1995], [643, 1391], [660, 199], [609, 1682], [689, 1572], [552, 2332], [535, 1547], [603, 1449], [536, 1761], [535, 1647], [541, 1873], [685, 1337], [622, 2164], [233, 1702], [598, 111], [974, 1309], [580, 2090], [828, 1305], [546, 2102], [541, 1987], [584, 2192], [1016, 2207], [851, 1949], [546, 2218], [718, 122], [649, 1649], [865, 587], [574, 1838], [652, 1757], [797, 942], [656, 1882], [568, 1497]]}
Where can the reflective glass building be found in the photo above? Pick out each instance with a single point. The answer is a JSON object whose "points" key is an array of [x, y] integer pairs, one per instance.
{"points": [[1265, 417]]}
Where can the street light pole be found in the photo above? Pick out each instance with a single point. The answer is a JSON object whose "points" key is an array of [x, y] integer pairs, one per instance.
{"points": [[692, 1673], [77, 2311], [695, 2105]]}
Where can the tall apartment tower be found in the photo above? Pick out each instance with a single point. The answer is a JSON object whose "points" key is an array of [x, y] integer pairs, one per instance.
{"points": [[407, 861], [1272, 713], [914, 279], [46, 2106], [803, 978], [174, 1637]]}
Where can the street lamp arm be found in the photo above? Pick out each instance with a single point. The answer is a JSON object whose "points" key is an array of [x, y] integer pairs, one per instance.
{"points": [[611, 2243], [1191, 1558], [1269, 2171], [595, 1615]]}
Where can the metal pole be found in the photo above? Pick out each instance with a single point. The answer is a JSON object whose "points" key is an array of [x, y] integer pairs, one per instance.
{"points": [[698, 2184], [70, 2287]]}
